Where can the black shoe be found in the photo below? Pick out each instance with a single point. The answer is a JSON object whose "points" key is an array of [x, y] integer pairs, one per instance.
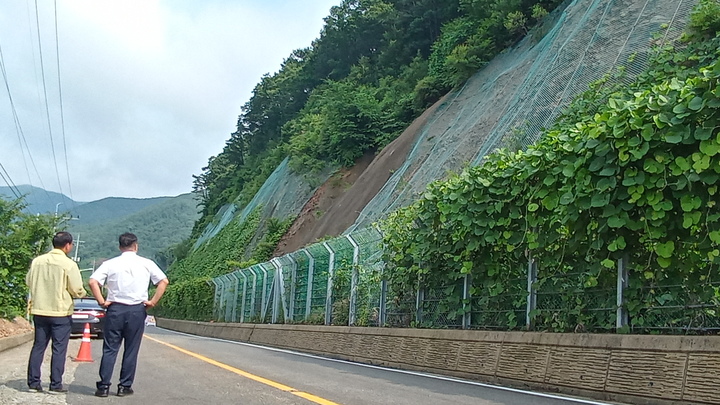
{"points": [[124, 391], [60, 390], [102, 392], [35, 388]]}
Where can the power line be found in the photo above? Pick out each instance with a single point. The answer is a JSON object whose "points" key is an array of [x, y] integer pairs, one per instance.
{"points": [[9, 182], [18, 128], [62, 114], [47, 109]]}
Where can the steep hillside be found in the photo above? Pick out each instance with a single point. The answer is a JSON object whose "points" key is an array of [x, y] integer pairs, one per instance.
{"points": [[336, 204], [508, 103]]}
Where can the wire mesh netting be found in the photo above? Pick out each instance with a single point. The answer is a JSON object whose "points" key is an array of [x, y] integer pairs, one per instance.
{"points": [[589, 308], [507, 104], [500, 308], [671, 307], [282, 195], [520, 92], [340, 282]]}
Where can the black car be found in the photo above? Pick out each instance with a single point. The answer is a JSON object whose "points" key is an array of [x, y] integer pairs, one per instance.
{"points": [[87, 310]]}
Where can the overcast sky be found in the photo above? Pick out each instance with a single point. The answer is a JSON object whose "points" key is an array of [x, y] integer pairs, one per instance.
{"points": [[150, 89]]}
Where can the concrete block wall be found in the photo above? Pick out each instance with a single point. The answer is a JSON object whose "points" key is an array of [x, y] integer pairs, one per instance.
{"points": [[627, 368]]}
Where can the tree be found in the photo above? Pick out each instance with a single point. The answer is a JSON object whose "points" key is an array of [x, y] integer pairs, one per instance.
{"points": [[22, 237]]}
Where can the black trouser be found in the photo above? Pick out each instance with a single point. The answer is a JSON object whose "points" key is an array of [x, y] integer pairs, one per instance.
{"points": [[122, 323], [57, 329]]}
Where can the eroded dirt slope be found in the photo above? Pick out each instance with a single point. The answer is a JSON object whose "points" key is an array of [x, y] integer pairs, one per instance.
{"points": [[336, 204]]}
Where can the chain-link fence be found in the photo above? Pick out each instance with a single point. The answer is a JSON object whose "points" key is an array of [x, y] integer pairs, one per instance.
{"points": [[342, 282]]}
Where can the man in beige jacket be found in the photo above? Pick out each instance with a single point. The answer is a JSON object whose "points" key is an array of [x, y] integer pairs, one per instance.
{"points": [[53, 280]]}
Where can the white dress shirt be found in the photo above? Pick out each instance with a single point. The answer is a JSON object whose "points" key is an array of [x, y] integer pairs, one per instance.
{"points": [[127, 278]]}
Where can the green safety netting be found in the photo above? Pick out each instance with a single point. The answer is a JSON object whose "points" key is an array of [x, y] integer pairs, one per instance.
{"points": [[519, 93], [283, 195], [507, 104]]}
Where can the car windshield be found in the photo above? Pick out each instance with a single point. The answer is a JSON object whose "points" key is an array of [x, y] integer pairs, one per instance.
{"points": [[87, 304]]}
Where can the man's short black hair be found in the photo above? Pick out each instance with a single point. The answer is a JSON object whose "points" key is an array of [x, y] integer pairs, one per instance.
{"points": [[127, 239], [61, 239]]}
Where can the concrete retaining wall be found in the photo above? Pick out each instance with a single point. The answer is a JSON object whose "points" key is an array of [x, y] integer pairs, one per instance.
{"points": [[628, 368], [16, 340]]}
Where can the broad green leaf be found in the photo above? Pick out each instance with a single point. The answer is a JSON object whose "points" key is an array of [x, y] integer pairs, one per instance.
{"points": [[675, 84], [550, 202], [703, 134], [709, 147], [690, 202], [600, 200], [682, 163], [652, 166], [617, 244], [680, 108], [696, 104], [664, 262], [673, 138], [715, 237], [606, 183], [641, 150], [647, 132], [691, 218], [608, 263], [658, 122], [665, 249], [591, 282], [567, 198], [702, 162], [532, 207], [616, 222]]}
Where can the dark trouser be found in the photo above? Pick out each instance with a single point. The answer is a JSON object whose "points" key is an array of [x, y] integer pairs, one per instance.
{"points": [[122, 323], [57, 329]]}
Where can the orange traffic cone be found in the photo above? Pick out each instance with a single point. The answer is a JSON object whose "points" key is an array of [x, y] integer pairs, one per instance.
{"points": [[85, 353]]}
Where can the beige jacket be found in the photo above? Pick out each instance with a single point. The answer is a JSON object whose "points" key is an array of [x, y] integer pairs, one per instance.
{"points": [[54, 280]]}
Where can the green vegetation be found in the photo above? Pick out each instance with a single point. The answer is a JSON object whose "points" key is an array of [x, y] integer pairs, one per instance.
{"points": [[22, 237], [191, 295], [625, 173], [159, 225], [375, 67]]}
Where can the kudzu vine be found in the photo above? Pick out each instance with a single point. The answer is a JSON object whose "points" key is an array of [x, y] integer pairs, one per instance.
{"points": [[635, 177]]}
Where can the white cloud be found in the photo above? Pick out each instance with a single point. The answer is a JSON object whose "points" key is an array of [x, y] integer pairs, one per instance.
{"points": [[150, 89]]}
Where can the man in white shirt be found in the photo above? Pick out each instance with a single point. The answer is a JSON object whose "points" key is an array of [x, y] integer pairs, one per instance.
{"points": [[126, 278]]}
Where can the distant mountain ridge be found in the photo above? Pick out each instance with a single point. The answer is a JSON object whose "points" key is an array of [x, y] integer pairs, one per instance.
{"points": [[158, 226], [40, 201], [159, 222]]}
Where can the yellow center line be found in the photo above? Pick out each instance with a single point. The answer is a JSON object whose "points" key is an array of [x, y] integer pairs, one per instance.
{"points": [[282, 387]]}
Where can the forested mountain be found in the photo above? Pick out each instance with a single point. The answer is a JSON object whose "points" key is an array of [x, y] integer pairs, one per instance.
{"points": [[38, 200], [159, 226]]}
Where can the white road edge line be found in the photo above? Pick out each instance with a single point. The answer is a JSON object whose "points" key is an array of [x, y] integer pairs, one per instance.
{"points": [[394, 370]]}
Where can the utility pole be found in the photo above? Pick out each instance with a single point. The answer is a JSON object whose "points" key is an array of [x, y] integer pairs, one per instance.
{"points": [[77, 247], [56, 217]]}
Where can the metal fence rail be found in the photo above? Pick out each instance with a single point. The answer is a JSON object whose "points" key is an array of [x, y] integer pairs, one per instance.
{"points": [[341, 282]]}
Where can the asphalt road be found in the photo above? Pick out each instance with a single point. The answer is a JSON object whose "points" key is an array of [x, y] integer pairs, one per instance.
{"points": [[182, 369]]}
